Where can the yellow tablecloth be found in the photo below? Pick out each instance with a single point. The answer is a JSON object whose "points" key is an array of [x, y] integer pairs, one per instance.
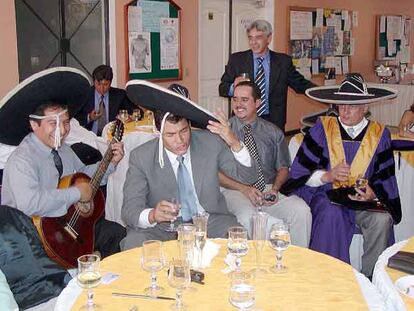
{"points": [[395, 274], [314, 281]]}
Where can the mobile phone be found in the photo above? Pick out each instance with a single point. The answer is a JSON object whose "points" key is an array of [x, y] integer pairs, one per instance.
{"points": [[269, 197]]}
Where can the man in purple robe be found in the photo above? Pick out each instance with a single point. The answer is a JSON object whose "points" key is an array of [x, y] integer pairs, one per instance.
{"points": [[337, 155]]}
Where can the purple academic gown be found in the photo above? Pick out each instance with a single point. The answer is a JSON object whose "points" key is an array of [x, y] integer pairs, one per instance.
{"points": [[333, 225]]}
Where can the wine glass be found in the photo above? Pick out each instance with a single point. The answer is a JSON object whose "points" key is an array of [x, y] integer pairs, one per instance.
{"points": [[148, 116], [172, 227], [200, 221], [179, 278], [237, 244], [89, 277], [279, 241], [242, 291], [152, 261], [136, 116], [259, 229], [123, 115]]}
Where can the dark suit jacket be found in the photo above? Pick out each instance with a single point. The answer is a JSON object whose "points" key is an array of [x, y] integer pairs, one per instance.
{"points": [[282, 75], [117, 100]]}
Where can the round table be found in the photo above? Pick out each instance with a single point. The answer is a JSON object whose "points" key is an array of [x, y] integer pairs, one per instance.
{"points": [[314, 281]]}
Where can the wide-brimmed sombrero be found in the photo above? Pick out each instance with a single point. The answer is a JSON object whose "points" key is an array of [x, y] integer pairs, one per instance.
{"points": [[65, 85], [155, 97], [352, 91]]}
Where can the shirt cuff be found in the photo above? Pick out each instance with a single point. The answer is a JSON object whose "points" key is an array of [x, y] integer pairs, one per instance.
{"points": [[231, 90], [316, 179], [243, 156], [143, 221]]}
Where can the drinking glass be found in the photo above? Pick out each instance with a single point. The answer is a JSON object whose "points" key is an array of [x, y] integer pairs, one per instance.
{"points": [[186, 242], [89, 277], [259, 229], [136, 116], [279, 241], [179, 278], [237, 244], [152, 261], [200, 221], [148, 116], [245, 76], [172, 227], [242, 291], [123, 115]]}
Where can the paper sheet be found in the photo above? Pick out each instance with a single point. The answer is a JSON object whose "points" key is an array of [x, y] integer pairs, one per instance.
{"points": [[300, 25]]}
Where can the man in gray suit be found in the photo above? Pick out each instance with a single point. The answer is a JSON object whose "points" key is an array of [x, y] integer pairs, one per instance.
{"points": [[152, 180]]}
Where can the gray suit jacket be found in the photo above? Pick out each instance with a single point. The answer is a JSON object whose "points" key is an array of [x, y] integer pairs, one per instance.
{"points": [[147, 183]]}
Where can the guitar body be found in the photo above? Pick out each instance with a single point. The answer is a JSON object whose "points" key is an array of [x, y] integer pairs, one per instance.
{"points": [[67, 237]]}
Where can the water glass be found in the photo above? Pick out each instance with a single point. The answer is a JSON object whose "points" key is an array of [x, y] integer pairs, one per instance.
{"points": [[186, 242], [153, 260], [237, 244], [279, 241], [200, 221], [179, 278], [259, 235], [172, 227], [242, 291], [88, 277]]}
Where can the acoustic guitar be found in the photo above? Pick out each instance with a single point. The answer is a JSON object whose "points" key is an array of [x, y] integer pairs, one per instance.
{"points": [[67, 237]]}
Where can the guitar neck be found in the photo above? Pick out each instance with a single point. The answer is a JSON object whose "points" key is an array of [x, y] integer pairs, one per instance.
{"points": [[102, 167]]}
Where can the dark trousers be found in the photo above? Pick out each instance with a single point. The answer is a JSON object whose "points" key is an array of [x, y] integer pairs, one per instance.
{"points": [[108, 234]]}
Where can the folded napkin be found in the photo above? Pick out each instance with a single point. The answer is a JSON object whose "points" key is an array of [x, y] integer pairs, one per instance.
{"points": [[210, 251], [402, 261], [230, 261]]}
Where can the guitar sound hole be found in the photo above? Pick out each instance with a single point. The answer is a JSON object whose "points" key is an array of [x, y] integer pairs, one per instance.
{"points": [[85, 209]]}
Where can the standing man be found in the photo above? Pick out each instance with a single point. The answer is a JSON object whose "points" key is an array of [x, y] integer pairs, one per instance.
{"points": [[103, 102], [272, 72], [182, 163], [337, 155], [266, 144]]}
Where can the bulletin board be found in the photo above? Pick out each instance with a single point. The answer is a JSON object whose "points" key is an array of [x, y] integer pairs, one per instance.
{"points": [[320, 40], [393, 38], [152, 40]]}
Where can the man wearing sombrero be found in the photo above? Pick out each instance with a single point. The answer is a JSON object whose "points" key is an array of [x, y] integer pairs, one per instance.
{"points": [[35, 116], [335, 157], [183, 164]]}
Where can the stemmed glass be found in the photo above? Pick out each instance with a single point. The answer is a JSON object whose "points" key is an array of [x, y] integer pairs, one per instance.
{"points": [[242, 291], [136, 116], [89, 277], [279, 241], [172, 227], [123, 115], [200, 221], [237, 244], [148, 116], [179, 278], [152, 261], [259, 229]]}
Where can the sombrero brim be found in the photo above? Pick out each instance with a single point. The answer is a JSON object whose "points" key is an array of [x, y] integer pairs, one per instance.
{"points": [[326, 94], [65, 85], [155, 97]]}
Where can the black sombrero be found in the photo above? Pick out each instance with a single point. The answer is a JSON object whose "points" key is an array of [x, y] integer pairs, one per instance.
{"points": [[155, 97], [65, 85], [352, 91]]}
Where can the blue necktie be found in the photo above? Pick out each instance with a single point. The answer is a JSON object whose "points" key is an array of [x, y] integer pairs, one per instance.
{"points": [[186, 191], [260, 81]]}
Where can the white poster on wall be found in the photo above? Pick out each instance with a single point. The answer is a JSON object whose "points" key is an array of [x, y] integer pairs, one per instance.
{"points": [[169, 39]]}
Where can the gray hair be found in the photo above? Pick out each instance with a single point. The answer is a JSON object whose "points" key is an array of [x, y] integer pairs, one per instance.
{"points": [[261, 25]]}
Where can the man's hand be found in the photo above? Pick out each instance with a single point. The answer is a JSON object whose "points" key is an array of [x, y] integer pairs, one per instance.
{"points": [[338, 173], [367, 195], [222, 128], [85, 190], [240, 79], [117, 152], [94, 115], [254, 195], [163, 211]]}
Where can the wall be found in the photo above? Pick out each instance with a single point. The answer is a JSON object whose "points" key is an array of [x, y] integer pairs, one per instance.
{"points": [[364, 36]]}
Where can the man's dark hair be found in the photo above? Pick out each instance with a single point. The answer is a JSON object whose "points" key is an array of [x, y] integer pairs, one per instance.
{"points": [[158, 115], [50, 104], [253, 86], [102, 72]]}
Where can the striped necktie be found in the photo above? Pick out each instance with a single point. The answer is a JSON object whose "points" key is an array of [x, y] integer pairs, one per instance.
{"points": [[252, 147], [260, 81]]}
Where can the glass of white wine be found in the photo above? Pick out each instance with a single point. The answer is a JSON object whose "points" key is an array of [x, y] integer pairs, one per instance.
{"points": [[242, 291], [279, 241], [172, 227], [152, 261], [237, 244], [136, 116], [179, 278], [89, 276], [200, 221]]}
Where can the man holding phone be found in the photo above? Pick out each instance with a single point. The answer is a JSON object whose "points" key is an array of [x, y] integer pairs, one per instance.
{"points": [[267, 146]]}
